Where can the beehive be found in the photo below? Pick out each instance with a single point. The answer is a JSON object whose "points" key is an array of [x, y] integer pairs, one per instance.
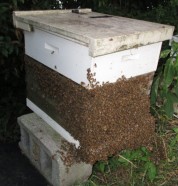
{"points": [[89, 74]]}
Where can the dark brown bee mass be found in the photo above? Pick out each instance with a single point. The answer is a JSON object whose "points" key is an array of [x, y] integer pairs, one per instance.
{"points": [[105, 119]]}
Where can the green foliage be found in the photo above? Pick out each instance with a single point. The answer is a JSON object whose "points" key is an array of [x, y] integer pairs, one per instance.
{"points": [[101, 166], [173, 145], [156, 166], [139, 160], [156, 11], [141, 157], [9, 43], [12, 74], [164, 91]]}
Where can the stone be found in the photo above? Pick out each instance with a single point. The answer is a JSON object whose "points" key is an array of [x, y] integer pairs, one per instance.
{"points": [[50, 153]]}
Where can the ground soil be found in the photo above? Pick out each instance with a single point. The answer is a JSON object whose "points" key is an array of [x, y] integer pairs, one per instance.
{"points": [[16, 170], [105, 119]]}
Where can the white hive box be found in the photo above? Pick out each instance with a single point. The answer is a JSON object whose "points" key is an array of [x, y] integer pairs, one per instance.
{"points": [[79, 43], [110, 46]]}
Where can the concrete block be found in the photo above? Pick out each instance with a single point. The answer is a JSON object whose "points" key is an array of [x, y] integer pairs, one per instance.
{"points": [[47, 151]]}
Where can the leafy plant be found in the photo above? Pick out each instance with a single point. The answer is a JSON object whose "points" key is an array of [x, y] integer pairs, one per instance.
{"points": [[12, 74], [137, 167], [140, 157], [164, 92], [139, 160]]}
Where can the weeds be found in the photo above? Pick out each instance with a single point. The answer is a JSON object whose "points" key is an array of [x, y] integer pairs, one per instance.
{"points": [[164, 92], [154, 165]]}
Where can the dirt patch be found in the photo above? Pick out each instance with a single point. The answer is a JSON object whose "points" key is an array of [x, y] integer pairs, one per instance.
{"points": [[105, 119], [118, 177]]}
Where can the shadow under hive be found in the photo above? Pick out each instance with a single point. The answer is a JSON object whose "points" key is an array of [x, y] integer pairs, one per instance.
{"points": [[105, 119]]}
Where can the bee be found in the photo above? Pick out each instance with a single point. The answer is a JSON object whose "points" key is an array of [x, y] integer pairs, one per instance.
{"points": [[82, 83], [53, 156]]}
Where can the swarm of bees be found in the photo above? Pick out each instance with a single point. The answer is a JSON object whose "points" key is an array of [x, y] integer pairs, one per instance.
{"points": [[104, 119]]}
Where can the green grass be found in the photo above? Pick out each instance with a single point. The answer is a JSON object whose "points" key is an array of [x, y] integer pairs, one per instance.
{"points": [[154, 165]]}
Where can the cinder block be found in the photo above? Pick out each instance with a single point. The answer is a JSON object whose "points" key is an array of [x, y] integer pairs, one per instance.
{"points": [[46, 150]]}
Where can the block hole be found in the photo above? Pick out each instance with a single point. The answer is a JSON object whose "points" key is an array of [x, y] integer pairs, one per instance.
{"points": [[46, 164], [35, 152], [25, 140]]}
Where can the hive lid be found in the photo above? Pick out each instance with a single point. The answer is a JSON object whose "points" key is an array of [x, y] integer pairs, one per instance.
{"points": [[102, 33]]}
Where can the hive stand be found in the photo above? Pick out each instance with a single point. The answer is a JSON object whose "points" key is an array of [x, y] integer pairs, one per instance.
{"points": [[44, 148]]}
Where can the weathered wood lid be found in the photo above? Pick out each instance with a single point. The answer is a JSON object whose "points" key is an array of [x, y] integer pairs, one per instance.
{"points": [[102, 33]]}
